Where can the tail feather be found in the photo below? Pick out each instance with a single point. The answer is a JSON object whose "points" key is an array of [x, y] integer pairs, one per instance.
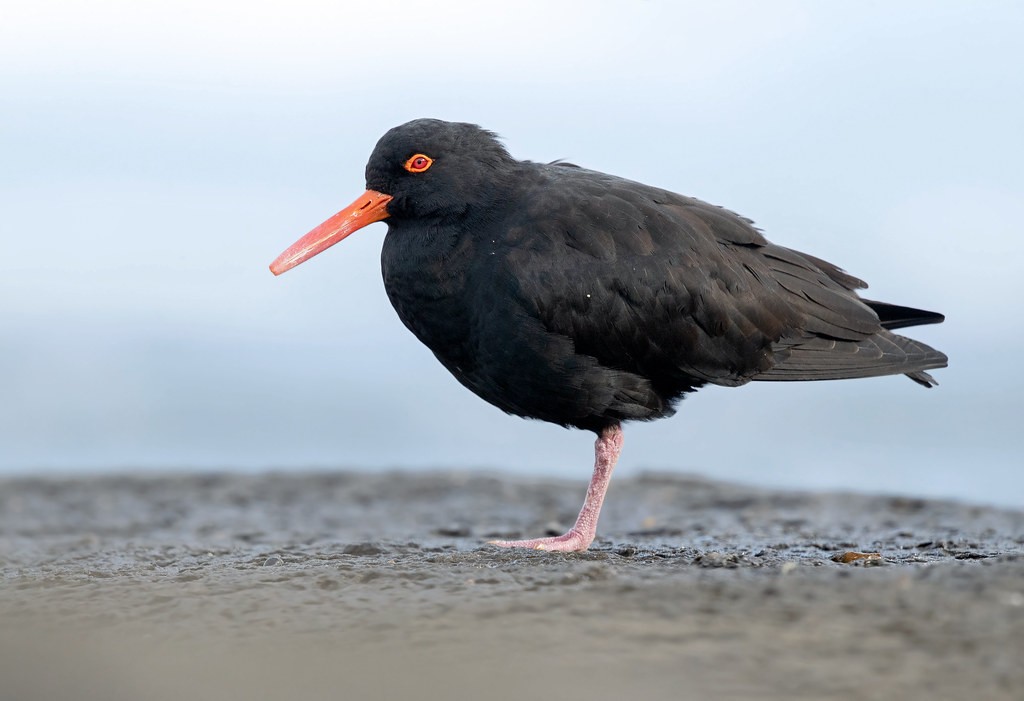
{"points": [[922, 378], [894, 316]]}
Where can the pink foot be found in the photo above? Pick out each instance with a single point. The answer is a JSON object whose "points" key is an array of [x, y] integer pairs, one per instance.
{"points": [[580, 536], [571, 542]]}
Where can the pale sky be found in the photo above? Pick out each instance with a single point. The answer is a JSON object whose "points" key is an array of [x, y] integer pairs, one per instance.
{"points": [[155, 157]]}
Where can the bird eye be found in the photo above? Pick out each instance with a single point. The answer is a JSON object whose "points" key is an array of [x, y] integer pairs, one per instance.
{"points": [[418, 163]]}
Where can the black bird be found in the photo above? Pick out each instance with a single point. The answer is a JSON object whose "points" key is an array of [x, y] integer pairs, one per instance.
{"points": [[571, 296]]}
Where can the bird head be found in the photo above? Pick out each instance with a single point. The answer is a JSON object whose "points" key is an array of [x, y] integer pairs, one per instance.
{"points": [[426, 169]]}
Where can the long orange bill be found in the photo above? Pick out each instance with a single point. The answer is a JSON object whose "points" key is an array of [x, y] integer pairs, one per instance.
{"points": [[370, 207]]}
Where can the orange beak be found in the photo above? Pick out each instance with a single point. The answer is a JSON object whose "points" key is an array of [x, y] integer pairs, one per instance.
{"points": [[368, 208]]}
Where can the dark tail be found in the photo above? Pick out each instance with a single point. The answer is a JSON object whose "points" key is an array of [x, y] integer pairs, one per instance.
{"points": [[893, 316]]}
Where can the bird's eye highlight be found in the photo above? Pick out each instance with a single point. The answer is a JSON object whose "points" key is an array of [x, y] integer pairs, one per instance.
{"points": [[418, 163]]}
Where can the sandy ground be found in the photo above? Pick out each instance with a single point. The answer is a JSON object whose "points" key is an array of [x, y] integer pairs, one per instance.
{"points": [[356, 586]]}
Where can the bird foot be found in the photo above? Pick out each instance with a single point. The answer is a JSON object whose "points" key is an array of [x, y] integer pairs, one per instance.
{"points": [[580, 536], [571, 542]]}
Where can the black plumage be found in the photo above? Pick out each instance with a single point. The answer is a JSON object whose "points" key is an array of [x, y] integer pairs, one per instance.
{"points": [[572, 296]]}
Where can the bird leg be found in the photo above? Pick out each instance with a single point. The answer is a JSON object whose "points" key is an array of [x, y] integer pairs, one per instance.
{"points": [[606, 454]]}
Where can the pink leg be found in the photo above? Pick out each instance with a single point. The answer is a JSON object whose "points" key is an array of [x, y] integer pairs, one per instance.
{"points": [[580, 536]]}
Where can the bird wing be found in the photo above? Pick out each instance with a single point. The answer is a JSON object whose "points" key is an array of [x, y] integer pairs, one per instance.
{"points": [[667, 286]]}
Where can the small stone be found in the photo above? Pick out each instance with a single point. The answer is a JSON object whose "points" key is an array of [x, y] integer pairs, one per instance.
{"points": [[851, 556]]}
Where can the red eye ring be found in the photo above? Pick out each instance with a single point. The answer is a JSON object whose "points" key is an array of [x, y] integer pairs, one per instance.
{"points": [[418, 163]]}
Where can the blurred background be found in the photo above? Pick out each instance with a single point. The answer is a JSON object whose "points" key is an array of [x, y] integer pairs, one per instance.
{"points": [[155, 157]]}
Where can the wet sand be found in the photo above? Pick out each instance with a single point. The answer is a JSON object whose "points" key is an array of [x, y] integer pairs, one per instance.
{"points": [[359, 586]]}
